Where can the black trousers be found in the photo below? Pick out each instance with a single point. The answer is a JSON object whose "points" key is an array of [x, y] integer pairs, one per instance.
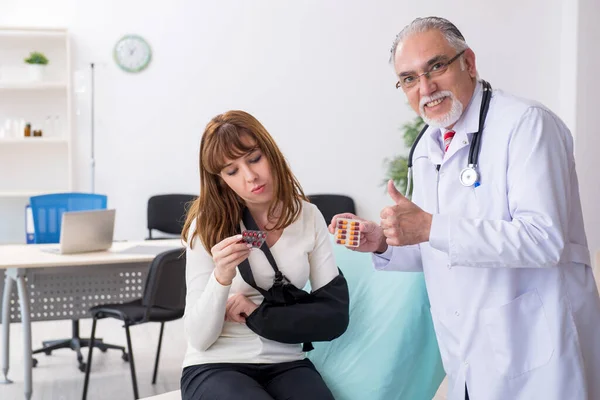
{"points": [[296, 380]]}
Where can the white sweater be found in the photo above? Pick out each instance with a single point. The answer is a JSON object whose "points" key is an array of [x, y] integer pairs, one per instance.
{"points": [[304, 251]]}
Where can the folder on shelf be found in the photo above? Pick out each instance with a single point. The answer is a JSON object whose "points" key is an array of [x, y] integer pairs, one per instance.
{"points": [[29, 228]]}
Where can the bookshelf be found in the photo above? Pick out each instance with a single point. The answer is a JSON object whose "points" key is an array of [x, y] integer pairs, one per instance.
{"points": [[33, 165]]}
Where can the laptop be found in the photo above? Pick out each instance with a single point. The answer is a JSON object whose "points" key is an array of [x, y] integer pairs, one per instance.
{"points": [[85, 231]]}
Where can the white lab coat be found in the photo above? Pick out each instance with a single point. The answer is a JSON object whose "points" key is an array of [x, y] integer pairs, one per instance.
{"points": [[513, 300]]}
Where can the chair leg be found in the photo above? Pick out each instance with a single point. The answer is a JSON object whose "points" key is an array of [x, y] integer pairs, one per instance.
{"points": [[88, 367], [131, 364], [105, 346], [160, 335], [51, 345], [75, 343], [77, 349]]}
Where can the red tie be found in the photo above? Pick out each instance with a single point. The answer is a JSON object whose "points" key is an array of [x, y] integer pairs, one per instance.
{"points": [[447, 139]]}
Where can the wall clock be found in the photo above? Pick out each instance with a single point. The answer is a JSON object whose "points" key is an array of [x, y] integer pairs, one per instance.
{"points": [[132, 53]]}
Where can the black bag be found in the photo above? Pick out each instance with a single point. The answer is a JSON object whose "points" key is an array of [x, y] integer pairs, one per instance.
{"points": [[291, 315]]}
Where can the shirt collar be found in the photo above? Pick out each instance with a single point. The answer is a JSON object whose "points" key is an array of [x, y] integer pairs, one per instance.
{"points": [[464, 128], [469, 120]]}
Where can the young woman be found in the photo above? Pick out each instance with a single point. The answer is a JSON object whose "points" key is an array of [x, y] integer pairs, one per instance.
{"points": [[242, 167]]}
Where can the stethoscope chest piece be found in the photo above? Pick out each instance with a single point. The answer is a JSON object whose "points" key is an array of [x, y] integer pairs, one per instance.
{"points": [[469, 176]]}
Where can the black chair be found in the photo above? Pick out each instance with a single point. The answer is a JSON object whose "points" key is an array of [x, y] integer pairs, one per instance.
{"points": [[163, 301], [332, 204], [75, 343], [166, 213]]}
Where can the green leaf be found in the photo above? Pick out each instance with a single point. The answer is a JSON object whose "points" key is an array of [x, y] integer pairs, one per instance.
{"points": [[36, 58], [397, 167]]}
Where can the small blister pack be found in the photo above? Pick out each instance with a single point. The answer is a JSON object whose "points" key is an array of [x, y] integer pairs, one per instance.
{"points": [[255, 238], [347, 233]]}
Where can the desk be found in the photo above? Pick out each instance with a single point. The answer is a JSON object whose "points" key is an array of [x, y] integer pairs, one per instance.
{"points": [[56, 286]]}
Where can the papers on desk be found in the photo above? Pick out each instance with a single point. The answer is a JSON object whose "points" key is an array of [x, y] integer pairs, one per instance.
{"points": [[54, 250], [147, 249], [139, 249]]}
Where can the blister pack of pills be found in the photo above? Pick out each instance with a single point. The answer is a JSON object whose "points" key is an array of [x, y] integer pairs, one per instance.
{"points": [[255, 238], [347, 233]]}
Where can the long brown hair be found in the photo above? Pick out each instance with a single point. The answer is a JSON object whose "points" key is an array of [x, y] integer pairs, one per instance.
{"points": [[218, 209]]}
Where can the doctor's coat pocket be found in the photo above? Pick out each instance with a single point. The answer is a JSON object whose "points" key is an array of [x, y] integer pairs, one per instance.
{"points": [[519, 335]]}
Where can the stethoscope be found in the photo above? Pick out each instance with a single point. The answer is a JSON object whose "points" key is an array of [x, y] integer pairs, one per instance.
{"points": [[469, 175]]}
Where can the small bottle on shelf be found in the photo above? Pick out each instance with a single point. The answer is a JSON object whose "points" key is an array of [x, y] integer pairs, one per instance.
{"points": [[57, 129], [8, 128], [20, 127], [27, 132], [16, 128], [48, 126]]}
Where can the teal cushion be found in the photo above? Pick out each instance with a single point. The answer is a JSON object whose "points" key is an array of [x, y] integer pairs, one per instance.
{"points": [[390, 350]]}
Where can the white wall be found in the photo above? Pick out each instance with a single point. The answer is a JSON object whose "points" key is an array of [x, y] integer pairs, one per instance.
{"points": [[588, 119], [314, 72]]}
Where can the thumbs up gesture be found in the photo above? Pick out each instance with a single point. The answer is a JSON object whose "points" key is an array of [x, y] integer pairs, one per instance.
{"points": [[404, 223]]}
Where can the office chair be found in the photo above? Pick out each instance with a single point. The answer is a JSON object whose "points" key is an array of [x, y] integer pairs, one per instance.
{"points": [[332, 204], [166, 213], [47, 213], [163, 300]]}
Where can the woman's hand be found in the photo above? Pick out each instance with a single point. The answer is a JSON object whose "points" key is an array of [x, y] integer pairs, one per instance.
{"points": [[238, 308], [227, 255]]}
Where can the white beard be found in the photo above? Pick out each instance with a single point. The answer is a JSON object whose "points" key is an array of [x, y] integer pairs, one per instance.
{"points": [[450, 118]]}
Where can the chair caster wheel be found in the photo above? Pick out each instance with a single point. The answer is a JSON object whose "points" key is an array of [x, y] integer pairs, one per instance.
{"points": [[125, 357], [34, 362]]}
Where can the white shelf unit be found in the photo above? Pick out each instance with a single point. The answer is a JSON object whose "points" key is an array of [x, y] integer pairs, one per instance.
{"points": [[32, 141], [11, 86], [33, 165]]}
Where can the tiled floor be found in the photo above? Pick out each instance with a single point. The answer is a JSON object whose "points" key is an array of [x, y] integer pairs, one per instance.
{"points": [[441, 393]]}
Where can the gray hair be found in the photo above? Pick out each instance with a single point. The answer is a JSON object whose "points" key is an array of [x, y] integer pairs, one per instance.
{"points": [[419, 25]]}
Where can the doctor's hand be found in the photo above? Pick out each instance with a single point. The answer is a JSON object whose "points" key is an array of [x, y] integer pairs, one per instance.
{"points": [[238, 307], [404, 223], [227, 254], [371, 234]]}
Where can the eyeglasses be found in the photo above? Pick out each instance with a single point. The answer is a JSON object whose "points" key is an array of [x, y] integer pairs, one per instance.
{"points": [[437, 69]]}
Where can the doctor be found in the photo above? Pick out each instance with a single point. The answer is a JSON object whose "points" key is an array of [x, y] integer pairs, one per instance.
{"points": [[499, 234]]}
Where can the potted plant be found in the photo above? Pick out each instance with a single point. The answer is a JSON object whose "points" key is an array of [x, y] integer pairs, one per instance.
{"points": [[397, 167], [37, 63]]}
